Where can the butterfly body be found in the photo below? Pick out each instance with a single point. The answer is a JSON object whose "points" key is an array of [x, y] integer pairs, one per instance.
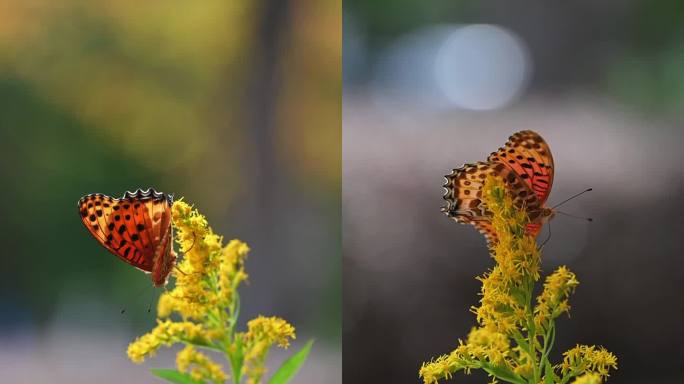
{"points": [[524, 163], [136, 228]]}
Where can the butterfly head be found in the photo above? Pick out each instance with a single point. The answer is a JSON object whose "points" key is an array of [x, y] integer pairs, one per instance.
{"points": [[547, 214]]}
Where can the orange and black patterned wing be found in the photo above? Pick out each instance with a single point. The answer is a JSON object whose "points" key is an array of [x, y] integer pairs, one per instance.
{"points": [[130, 227], [529, 157], [463, 195]]}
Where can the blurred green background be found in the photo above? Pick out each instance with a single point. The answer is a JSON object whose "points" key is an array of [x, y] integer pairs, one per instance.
{"points": [[233, 105]]}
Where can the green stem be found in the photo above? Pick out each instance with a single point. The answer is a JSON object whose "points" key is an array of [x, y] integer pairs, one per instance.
{"points": [[549, 339]]}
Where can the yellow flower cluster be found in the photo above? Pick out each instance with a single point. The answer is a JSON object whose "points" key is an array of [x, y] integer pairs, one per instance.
{"points": [[588, 358], [205, 295], [553, 301], [589, 378], [200, 366], [484, 349], [261, 334], [231, 270], [165, 333], [503, 303], [505, 313]]}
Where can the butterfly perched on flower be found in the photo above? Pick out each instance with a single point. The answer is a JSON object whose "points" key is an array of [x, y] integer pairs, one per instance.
{"points": [[526, 166], [136, 228]]}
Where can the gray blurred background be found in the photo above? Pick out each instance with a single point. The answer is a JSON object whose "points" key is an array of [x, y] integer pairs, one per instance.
{"points": [[233, 105], [431, 85]]}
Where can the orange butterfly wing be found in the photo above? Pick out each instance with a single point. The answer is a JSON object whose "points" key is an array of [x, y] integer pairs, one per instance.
{"points": [[132, 227], [528, 155], [526, 166]]}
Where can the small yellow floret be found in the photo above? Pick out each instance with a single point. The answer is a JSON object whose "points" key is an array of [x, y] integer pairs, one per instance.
{"points": [[200, 366]]}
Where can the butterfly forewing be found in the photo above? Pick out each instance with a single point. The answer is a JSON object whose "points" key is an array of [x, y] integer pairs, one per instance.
{"points": [[529, 157], [131, 227]]}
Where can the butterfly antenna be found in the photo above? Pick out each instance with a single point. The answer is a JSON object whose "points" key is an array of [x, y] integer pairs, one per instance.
{"points": [[137, 296], [149, 306], [571, 197], [576, 217]]}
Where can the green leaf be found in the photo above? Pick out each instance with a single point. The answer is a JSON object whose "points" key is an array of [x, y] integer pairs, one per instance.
{"points": [[291, 366], [173, 376], [549, 374]]}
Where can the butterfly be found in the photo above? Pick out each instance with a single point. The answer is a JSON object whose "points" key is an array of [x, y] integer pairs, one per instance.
{"points": [[136, 228], [526, 166]]}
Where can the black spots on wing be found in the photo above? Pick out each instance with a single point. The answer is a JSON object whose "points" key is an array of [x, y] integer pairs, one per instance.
{"points": [[111, 226], [126, 206], [538, 173], [122, 229], [110, 237], [92, 217], [106, 205], [90, 205], [136, 205], [99, 213], [98, 203], [511, 161], [511, 150], [127, 217], [123, 243], [482, 176], [466, 192], [84, 213], [96, 227], [526, 165], [525, 176], [135, 237], [127, 251], [532, 160], [467, 182], [116, 208], [140, 227], [510, 177], [117, 217], [474, 203], [519, 157]]}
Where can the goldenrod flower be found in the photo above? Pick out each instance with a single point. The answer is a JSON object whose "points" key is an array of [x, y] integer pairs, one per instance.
{"points": [[206, 298], [589, 378], [588, 358], [199, 365], [506, 315], [261, 334], [554, 299], [165, 333]]}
